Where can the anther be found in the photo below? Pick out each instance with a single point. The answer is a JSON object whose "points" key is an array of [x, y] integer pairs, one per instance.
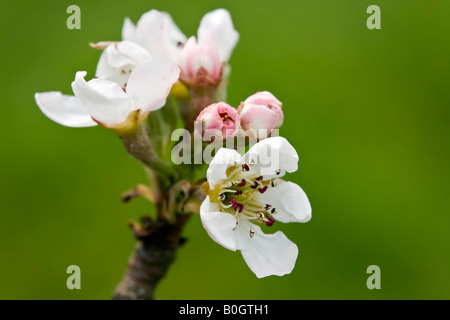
{"points": [[267, 207], [239, 207], [274, 211], [245, 167], [270, 221], [273, 183], [242, 183], [254, 185], [259, 178], [262, 190], [222, 196], [238, 193], [278, 171], [252, 233]]}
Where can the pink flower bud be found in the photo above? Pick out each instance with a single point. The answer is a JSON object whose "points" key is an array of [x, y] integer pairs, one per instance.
{"points": [[220, 116], [261, 111], [200, 63]]}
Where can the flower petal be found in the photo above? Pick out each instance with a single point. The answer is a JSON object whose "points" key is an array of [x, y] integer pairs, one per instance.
{"points": [[273, 157], [265, 254], [63, 109], [103, 99], [290, 200], [129, 31], [217, 169], [217, 26], [157, 32], [219, 225], [150, 84], [259, 117], [119, 59]]}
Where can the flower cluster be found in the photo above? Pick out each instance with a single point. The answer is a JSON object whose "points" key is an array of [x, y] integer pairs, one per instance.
{"points": [[155, 79]]}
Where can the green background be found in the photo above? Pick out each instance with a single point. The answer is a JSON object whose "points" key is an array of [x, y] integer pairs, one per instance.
{"points": [[367, 111]]}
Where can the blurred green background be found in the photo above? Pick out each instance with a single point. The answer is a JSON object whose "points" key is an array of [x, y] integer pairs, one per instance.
{"points": [[367, 110]]}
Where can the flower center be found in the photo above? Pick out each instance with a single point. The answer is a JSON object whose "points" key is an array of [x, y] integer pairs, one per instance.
{"points": [[239, 195]]}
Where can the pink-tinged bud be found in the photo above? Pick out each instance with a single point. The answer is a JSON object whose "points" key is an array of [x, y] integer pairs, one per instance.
{"points": [[220, 116], [200, 63], [261, 111]]}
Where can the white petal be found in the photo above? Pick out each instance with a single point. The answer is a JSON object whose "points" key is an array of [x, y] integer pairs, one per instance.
{"points": [[63, 109], [273, 154], [157, 32], [219, 225], [218, 27], [103, 99], [266, 254], [119, 59], [217, 169], [150, 84], [290, 200], [129, 31]]}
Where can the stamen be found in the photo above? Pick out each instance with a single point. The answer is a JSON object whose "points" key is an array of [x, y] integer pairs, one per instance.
{"points": [[242, 183], [259, 178], [274, 211], [228, 190], [262, 190], [252, 233], [225, 206], [238, 193], [277, 172], [222, 196], [254, 185], [267, 207], [245, 167], [239, 207], [232, 202], [273, 183], [270, 221]]}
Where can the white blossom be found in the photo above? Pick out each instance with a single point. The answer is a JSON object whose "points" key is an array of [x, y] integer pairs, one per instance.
{"points": [[244, 191]]}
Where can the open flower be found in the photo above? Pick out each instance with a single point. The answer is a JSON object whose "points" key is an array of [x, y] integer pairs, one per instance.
{"points": [[261, 111], [244, 191], [219, 116], [106, 102]]}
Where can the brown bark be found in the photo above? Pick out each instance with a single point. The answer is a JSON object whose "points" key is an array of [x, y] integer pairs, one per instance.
{"points": [[156, 248]]}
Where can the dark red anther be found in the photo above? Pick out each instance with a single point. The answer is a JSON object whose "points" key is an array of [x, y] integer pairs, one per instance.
{"points": [[242, 183], [262, 190], [270, 221], [238, 193], [245, 167], [240, 207], [259, 178], [254, 185], [233, 203]]}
